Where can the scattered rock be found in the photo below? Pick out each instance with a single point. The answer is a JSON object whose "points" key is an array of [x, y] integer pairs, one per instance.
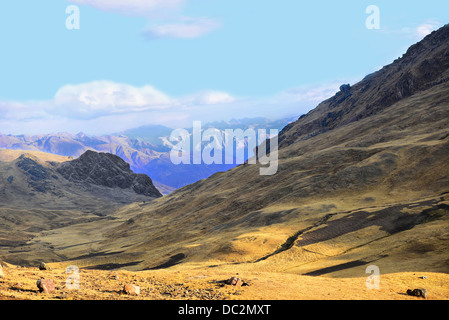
{"points": [[43, 266], [45, 285], [345, 88], [131, 289], [114, 276], [234, 281], [237, 282], [1, 272], [417, 293]]}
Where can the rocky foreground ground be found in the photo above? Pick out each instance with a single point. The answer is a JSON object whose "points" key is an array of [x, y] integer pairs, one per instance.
{"points": [[20, 283]]}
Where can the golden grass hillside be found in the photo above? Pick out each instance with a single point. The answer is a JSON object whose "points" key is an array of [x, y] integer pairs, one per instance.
{"points": [[8, 155], [19, 283]]}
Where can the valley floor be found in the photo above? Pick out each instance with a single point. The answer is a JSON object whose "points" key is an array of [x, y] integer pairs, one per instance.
{"points": [[199, 283]]}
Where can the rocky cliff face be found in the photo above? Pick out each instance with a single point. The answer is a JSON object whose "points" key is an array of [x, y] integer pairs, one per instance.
{"points": [[108, 170], [37, 175]]}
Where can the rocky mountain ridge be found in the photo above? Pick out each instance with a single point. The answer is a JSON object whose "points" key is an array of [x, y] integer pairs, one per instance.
{"points": [[39, 196], [107, 170]]}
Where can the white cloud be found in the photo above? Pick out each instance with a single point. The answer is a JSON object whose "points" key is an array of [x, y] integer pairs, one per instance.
{"points": [[99, 98], [426, 28], [132, 7], [207, 98], [157, 13], [186, 28], [13, 110], [95, 101], [215, 97], [311, 94], [415, 33], [102, 107]]}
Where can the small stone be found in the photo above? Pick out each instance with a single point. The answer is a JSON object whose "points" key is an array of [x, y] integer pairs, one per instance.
{"points": [[423, 293], [131, 289], [234, 281], [417, 293], [45, 285], [114, 276], [2, 274], [43, 266]]}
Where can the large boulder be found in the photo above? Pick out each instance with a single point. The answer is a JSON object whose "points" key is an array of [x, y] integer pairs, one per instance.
{"points": [[45, 285], [131, 289]]}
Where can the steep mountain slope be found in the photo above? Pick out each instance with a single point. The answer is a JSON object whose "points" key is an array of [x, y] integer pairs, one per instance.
{"points": [[424, 66], [363, 179], [37, 196]]}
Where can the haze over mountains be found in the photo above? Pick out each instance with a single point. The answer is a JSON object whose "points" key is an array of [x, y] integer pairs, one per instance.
{"points": [[146, 149], [363, 179]]}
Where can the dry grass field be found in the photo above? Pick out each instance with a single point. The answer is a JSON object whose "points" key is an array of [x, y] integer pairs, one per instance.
{"points": [[198, 283]]}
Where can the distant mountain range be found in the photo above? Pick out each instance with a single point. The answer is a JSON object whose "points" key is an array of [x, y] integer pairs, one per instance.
{"points": [[146, 149]]}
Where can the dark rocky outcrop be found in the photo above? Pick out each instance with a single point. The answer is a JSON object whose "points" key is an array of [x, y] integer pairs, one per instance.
{"points": [[37, 175], [108, 170]]}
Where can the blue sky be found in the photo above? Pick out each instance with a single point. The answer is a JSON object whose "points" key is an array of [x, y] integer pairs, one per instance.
{"points": [[170, 62]]}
